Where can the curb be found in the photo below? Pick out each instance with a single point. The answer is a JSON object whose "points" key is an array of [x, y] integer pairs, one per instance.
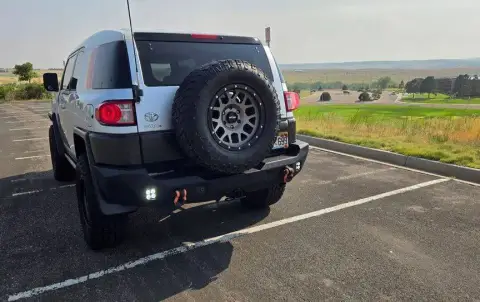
{"points": [[447, 170]]}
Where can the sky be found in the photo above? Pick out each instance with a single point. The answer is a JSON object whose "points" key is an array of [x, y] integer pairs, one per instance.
{"points": [[303, 31]]}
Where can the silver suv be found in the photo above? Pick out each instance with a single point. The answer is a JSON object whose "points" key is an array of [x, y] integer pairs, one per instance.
{"points": [[166, 118]]}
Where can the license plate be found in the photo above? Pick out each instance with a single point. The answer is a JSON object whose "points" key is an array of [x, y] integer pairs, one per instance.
{"points": [[281, 141]]}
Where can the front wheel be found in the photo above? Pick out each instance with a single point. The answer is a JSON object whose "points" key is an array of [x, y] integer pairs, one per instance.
{"points": [[99, 230], [62, 170], [263, 198]]}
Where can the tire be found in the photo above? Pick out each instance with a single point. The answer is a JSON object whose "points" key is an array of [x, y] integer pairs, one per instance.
{"points": [[62, 169], [195, 109], [99, 230], [263, 198]]}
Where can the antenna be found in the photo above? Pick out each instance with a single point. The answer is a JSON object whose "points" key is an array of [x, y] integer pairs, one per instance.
{"points": [[137, 92]]}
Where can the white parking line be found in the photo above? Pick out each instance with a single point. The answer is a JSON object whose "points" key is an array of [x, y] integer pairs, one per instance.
{"points": [[222, 238], [40, 190], [392, 165], [31, 157], [25, 193], [22, 116], [19, 129], [29, 121], [29, 139]]}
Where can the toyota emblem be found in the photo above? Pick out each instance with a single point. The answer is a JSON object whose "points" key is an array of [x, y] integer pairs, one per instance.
{"points": [[151, 117]]}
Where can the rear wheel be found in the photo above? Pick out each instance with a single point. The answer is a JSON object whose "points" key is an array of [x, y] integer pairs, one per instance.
{"points": [[99, 230], [62, 169], [263, 198]]}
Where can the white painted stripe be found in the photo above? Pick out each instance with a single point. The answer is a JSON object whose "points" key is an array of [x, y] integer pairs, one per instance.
{"points": [[391, 165], [222, 238], [30, 139], [24, 121], [31, 157], [33, 151], [19, 129], [29, 116], [25, 193], [364, 174], [64, 186], [40, 190]]}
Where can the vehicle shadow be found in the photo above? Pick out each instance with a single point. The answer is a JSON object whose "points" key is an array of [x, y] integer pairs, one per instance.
{"points": [[40, 233]]}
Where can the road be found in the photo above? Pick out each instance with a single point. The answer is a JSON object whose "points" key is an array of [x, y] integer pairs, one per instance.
{"points": [[347, 229]]}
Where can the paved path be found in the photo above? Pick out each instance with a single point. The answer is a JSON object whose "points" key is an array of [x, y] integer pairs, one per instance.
{"points": [[346, 229]]}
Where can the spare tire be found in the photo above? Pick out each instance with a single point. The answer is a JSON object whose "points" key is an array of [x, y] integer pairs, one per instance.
{"points": [[226, 116]]}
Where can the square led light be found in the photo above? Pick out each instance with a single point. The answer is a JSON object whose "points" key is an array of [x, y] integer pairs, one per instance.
{"points": [[151, 194]]}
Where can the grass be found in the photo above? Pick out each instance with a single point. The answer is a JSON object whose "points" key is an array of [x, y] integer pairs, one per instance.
{"points": [[446, 135], [438, 99]]}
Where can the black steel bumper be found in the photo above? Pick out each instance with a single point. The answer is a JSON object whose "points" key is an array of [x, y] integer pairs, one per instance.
{"points": [[124, 189]]}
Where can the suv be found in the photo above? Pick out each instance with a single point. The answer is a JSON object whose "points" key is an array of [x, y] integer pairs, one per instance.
{"points": [[165, 118]]}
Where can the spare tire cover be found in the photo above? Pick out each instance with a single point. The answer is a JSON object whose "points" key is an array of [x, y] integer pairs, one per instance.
{"points": [[226, 116]]}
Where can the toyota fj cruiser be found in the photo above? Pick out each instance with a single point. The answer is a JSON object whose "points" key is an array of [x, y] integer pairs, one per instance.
{"points": [[164, 119]]}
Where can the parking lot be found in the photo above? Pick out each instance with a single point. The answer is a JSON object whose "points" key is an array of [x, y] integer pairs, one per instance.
{"points": [[347, 229]]}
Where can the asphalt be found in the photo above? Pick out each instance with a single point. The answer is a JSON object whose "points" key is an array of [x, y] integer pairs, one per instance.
{"points": [[417, 244]]}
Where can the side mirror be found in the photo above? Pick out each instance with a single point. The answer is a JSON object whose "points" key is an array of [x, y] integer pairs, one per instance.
{"points": [[50, 81]]}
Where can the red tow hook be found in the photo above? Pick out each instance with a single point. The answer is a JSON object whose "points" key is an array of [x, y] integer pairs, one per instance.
{"points": [[180, 197], [288, 174]]}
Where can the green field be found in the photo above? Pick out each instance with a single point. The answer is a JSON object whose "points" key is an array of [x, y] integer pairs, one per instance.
{"points": [[446, 135], [438, 99]]}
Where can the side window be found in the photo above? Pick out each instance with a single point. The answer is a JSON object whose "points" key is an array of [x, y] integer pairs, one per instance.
{"points": [[111, 69], [68, 72], [76, 72]]}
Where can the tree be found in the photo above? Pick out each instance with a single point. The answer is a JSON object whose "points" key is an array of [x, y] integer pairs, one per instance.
{"points": [[383, 82], [401, 85], [444, 85], [427, 85], [475, 86], [413, 86], [461, 86], [24, 72], [344, 87]]}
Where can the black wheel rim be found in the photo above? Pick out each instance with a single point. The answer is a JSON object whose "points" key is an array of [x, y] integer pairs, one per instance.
{"points": [[236, 117]]}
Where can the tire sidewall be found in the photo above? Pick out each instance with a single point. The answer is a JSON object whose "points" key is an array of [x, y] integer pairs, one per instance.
{"points": [[269, 111]]}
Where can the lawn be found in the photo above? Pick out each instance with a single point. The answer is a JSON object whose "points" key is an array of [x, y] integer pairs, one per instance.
{"points": [[438, 99], [446, 135]]}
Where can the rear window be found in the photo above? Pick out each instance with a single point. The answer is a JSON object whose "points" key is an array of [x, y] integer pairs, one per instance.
{"points": [[168, 63]]}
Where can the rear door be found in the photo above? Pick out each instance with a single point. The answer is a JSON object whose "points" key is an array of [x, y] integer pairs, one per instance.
{"points": [[166, 59], [63, 99]]}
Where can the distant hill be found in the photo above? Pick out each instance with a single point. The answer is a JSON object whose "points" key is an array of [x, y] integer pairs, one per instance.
{"points": [[411, 64]]}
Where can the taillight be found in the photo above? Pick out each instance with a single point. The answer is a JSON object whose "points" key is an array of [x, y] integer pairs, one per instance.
{"points": [[116, 113], [204, 36], [292, 100]]}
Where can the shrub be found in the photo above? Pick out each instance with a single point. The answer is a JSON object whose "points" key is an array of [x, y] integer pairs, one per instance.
{"points": [[30, 91], [325, 97], [377, 94], [7, 91], [364, 97]]}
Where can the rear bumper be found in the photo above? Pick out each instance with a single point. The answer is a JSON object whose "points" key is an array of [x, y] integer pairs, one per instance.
{"points": [[122, 189]]}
